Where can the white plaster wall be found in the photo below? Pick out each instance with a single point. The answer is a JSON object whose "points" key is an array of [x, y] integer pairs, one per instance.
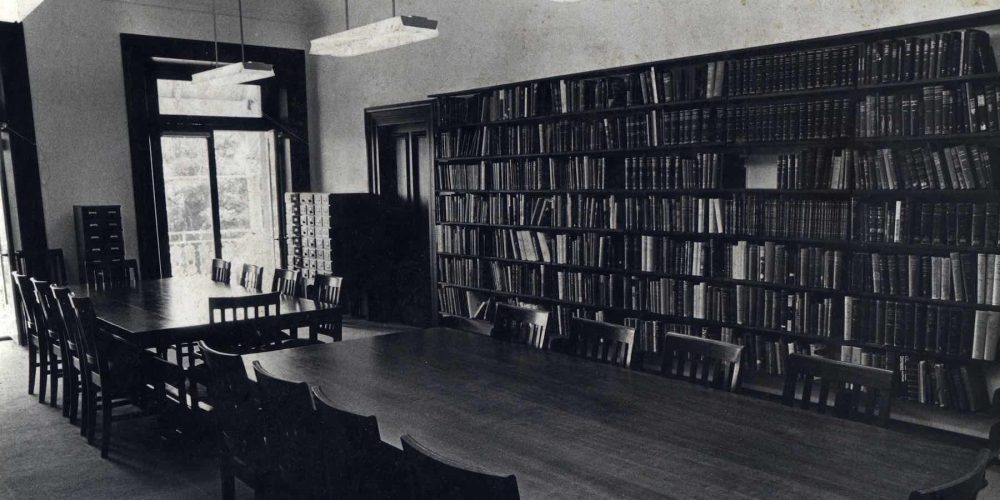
{"points": [[486, 42], [78, 96]]}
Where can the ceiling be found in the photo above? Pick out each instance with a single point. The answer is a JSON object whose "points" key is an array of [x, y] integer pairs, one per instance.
{"points": [[290, 11]]}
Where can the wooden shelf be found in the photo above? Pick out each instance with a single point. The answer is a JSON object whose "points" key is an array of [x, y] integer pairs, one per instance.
{"points": [[981, 426]]}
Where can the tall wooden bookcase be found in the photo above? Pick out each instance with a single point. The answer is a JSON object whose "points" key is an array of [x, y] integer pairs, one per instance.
{"points": [[808, 196]]}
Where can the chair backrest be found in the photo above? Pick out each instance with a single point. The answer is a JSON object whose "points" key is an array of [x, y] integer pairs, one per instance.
{"points": [[114, 275], [87, 330], [30, 314], [292, 432], [350, 444], [706, 361], [604, 342], [221, 270], [966, 487], [326, 289], [64, 304], [861, 393], [235, 406], [520, 325], [435, 477], [285, 282], [50, 323], [55, 264], [252, 277], [20, 262], [132, 272], [251, 320]]}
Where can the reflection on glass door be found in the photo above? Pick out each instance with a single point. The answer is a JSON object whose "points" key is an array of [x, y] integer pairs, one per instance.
{"points": [[247, 196], [188, 195]]}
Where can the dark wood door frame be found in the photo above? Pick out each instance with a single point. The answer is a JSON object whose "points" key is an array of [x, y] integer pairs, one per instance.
{"points": [[410, 113], [283, 105]]}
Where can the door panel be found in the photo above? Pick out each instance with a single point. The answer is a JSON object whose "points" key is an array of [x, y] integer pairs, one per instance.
{"points": [[188, 196], [247, 196]]}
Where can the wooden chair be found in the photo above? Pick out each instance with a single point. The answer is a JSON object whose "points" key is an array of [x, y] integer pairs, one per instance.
{"points": [[239, 421], [966, 487], [326, 290], [251, 321], [55, 264], [221, 270], [51, 326], [355, 461], [709, 362], [603, 342], [435, 477], [252, 277], [285, 282], [117, 275], [855, 387], [75, 360], [113, 373], [520, 325], [292, 433], [38, 361]]}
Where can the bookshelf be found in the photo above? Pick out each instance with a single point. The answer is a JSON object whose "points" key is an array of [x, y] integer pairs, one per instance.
{"points": [[838, 196]]}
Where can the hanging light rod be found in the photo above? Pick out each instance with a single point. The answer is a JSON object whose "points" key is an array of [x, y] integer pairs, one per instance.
{"points": [[388, 33], [235, 73]]}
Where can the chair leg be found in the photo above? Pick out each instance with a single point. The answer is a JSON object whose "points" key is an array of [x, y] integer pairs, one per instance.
{"points": [[54, 378], [106, 408], [43, 374], [32, 366], [92, 415], [68, 383], [228, 481]]}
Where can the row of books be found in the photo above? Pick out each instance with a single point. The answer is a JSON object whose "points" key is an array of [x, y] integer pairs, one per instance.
{"points": [[985, 335], [928, 223], [557, 210], [791, 121], [663, 254], [677, 297], [971, 278], [798, 312], [679, 214], [457, 239], [752, 215], [586, 249], [576, 172], [815, 168], [517, 278], [693, 126], [933, 110], [865, 357], [459, 271], [453, 301], [780, 264], [956, 167], [927, 382], [766, 354], [938, 55], [801, 70], [916, 326], [699, 171], [587, 288]]}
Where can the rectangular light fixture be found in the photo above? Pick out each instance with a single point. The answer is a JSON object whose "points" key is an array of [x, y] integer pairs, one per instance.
{"points": [[385, 34], [234, 74], [14, 11]]}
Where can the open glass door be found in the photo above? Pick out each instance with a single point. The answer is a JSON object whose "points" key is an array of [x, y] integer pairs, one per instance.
{"points": [[221, 195]]}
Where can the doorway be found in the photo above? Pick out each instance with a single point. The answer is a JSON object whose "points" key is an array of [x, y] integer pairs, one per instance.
{"points": [[400, 175], [221, 194]]}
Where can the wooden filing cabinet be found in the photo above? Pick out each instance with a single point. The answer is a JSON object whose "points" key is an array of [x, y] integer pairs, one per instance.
{"points": [[99, 235]]}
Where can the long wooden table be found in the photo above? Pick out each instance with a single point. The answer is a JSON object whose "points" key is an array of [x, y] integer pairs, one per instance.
{"points": [[570, 428], [160, 313]]}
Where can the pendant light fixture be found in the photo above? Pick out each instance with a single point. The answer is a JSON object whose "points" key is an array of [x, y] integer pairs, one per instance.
{"points": [[14, 11], [235, 73], [385, 34]]}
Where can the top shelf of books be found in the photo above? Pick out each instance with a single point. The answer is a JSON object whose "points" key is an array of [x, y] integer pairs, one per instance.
{"points": [[876, 65]]}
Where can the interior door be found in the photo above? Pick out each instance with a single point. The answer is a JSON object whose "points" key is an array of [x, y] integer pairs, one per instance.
{"points": [[400, 172]]}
